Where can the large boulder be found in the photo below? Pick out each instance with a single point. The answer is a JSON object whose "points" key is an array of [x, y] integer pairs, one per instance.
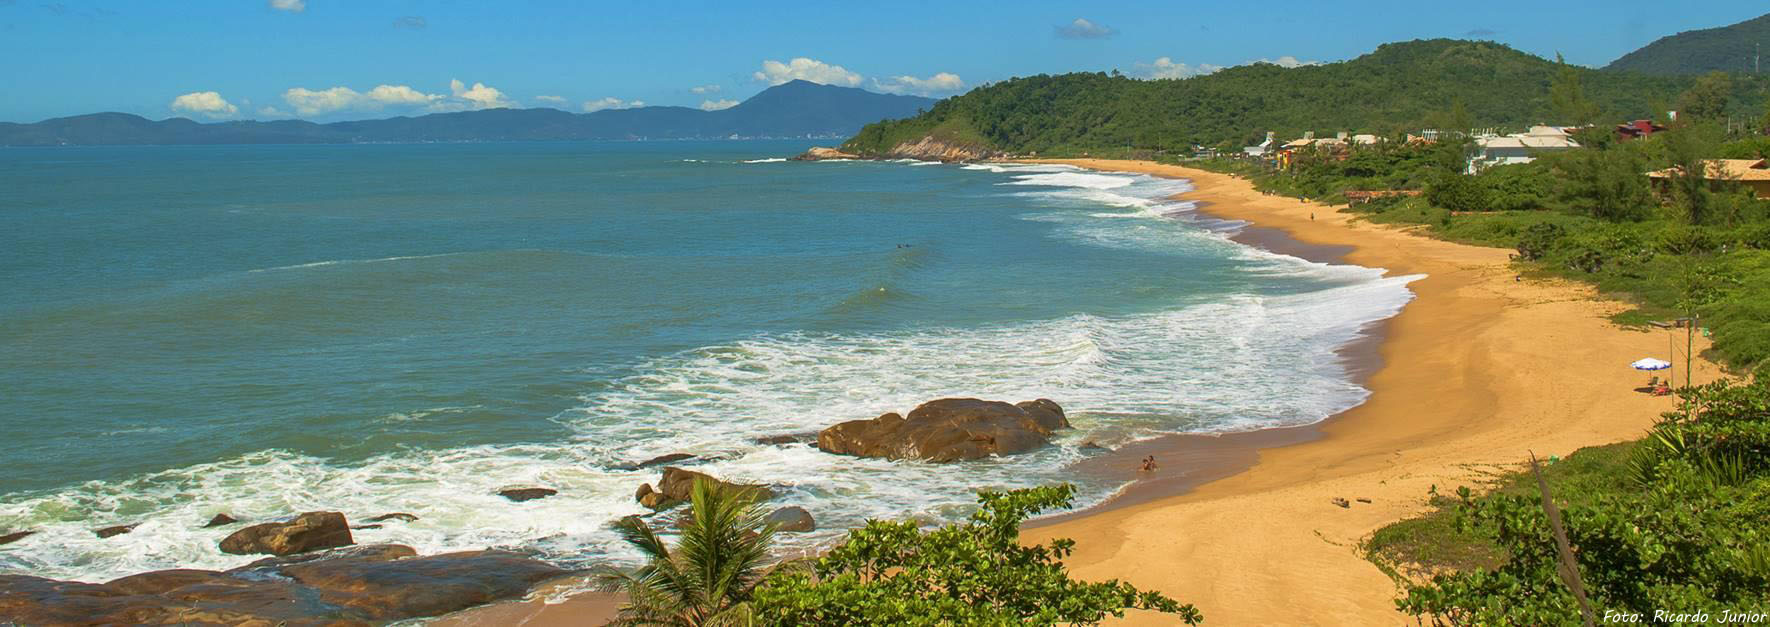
{"points": [[351, 586], [526, 494], [308, 532], [677, 486], [949, 429], [792, 518]]}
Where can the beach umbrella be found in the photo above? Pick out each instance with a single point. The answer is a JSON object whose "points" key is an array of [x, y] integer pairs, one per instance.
{"points": [[1649, 363]]}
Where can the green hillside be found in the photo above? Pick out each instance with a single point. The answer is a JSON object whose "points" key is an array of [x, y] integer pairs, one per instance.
{"points": [[1398, 87], [1723, 49]]}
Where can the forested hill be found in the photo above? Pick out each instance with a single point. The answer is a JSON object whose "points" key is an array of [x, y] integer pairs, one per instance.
{"points": [[1397, 87], [1725, 49], [793, 109]]}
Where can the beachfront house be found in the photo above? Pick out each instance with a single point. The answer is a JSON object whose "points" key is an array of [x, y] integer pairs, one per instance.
{"points": [[1261, 150], [1518, 147], [1753, 174]]}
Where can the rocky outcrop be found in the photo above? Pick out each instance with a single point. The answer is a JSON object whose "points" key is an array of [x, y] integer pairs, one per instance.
{"points": [[353, 586], [116, 530], [308, 532], [526, 494], [793, 519], [820, 153], [677, 486], [949, 429], [931, 149], [221, 520]]}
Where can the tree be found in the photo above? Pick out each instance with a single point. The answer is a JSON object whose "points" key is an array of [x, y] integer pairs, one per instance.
{"points": [[709, 577], [1707, 99], [1690, 145], [1569, 97], [973, 573]]}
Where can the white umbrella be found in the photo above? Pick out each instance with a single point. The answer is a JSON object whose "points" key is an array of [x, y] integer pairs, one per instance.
{"points": [[1649, 363]]}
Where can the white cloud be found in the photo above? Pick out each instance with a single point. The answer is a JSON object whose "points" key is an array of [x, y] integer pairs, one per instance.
{"points": [[715, 105], [1287, 61], [611, 103], [942, 83], [1084, 29], [308, 102], [705, 89], [480, 96], [292, 6], [1165, 67], [551, 99], [400, 95], [272, 112], [800, 68], [208, 103]]}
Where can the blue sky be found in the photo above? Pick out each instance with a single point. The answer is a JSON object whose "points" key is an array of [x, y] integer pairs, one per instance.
{"points": [[351, 59]]}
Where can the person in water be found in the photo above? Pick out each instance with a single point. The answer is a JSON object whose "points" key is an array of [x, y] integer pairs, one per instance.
{"points": [[1149, 464]]}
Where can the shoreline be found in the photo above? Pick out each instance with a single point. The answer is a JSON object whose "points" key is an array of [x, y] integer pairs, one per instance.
{"points": [[1475, 373]]}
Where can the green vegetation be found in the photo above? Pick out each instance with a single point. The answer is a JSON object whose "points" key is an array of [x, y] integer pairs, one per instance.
{"points": [[709, 577], [1400, 87], [1677, 521], [886, 573], [1727, 49]]}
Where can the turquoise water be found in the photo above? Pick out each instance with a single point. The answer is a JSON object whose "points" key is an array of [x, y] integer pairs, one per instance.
{"points": [[268, 329]]}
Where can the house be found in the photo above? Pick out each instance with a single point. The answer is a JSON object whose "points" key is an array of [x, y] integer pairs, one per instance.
{"points": [[1753, 174], [1262, 149], [1637, 128], [1519, 147]]}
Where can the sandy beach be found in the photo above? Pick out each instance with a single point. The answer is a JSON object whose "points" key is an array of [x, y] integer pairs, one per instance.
{"points": [[1476, 373]]}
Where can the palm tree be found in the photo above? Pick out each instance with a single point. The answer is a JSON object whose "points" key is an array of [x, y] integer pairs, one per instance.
{"points": [[708, 577]]}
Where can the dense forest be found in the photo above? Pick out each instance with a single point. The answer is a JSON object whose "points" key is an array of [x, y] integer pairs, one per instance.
{"points": [[1730, 48], [1399, 87]]}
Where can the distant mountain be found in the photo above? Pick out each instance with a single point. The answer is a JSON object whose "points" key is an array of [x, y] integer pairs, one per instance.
{"points": [[1727, 48], [794, 109]]}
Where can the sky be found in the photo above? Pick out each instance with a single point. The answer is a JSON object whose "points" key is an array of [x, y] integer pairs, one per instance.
{"points": [[328, 60]]}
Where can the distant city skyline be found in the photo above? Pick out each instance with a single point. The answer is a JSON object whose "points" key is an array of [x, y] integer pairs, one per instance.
{"points": [[327, 60]]}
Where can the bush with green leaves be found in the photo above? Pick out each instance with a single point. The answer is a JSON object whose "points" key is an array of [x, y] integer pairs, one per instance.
{"points": [[1682, 526], [971, 573]]}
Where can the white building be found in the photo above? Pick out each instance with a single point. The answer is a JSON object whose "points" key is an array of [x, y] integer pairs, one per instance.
{"points": [[1519, 148]]}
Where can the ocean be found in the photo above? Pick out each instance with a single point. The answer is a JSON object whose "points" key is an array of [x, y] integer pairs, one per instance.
{"points": [[266, 330]]}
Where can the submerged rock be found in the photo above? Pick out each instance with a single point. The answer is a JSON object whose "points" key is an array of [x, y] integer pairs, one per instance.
{"points": [[658, 461], [949, 429], [220, 520], [352, 586], [399, 516], [788, 438], [115, 530], [792, 519], [308, 532], [16, 536], [526, 494]]}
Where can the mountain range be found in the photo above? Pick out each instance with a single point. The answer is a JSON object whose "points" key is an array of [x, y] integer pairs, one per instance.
{"points": [[1732, 48], [793, 109]]}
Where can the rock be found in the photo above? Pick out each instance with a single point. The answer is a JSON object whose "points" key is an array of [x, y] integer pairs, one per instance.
{"points": [[526, 494], [399, 516], [308, 532], [220, 520], [350, 586], [115, 531], [929, 148], [1090, 445], [820, 153], [658, 461], [1341, 502], [789, 438], [677, 486], [15, 536], [792, 518], [362, 527], [949, 429]]}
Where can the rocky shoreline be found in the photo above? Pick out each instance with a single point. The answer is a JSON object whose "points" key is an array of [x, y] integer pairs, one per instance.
{"points": [[316, 573], [925, 149]]}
